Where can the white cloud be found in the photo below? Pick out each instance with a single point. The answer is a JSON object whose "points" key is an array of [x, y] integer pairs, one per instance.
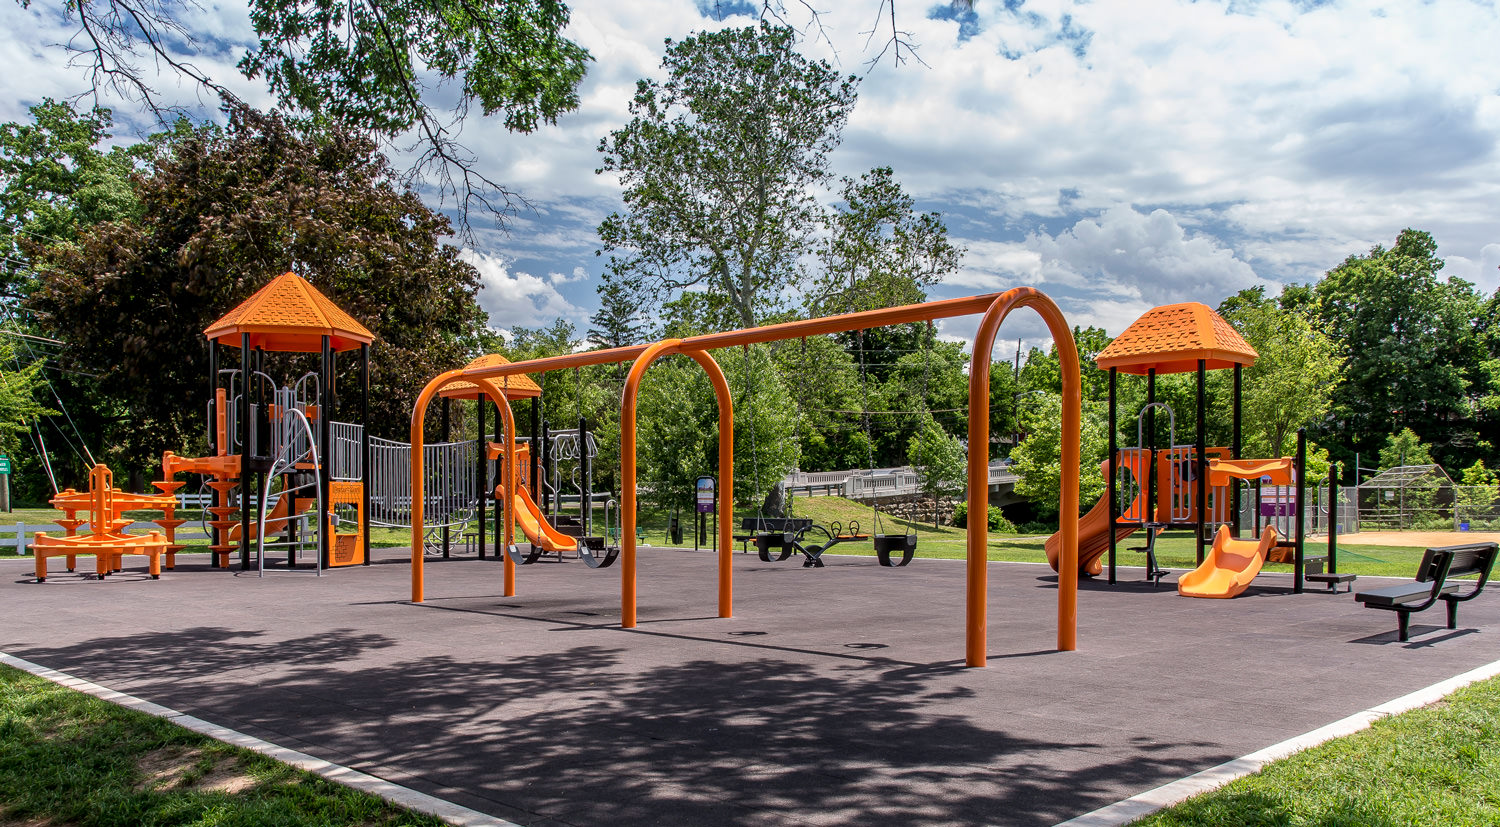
{"points": [[513, 299], [1483, 271]]}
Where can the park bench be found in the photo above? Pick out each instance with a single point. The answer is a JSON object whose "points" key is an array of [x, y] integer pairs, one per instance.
{"points": [[752, 527], [1434, 582]]}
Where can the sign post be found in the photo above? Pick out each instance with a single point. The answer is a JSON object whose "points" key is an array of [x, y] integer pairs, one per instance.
{"points": [[5, 484], [703, 489]]}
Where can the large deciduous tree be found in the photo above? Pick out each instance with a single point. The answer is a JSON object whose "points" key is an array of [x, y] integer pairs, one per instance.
{"points": [[720, 163], [222, 212], [375, 65], [1291, 382], [54, 179], [1410, 344]]}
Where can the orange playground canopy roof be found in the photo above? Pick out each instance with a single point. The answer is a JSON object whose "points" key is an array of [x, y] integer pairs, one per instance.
{"points": [[289, 315], [519, 386], [1172, 338]]}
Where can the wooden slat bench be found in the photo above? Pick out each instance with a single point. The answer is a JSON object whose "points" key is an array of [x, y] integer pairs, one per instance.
{"points": [[1440, 566]]}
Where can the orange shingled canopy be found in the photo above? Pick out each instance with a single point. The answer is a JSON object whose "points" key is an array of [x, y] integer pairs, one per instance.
{"points": [[289, 315], [1172, 338], [519, 386]]}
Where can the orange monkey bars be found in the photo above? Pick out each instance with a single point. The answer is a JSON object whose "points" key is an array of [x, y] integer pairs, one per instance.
{"points": [[994, 306]]}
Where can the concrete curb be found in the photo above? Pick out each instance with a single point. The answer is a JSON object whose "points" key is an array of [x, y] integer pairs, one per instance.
{"points": [[394, 793], [1137, 806]]}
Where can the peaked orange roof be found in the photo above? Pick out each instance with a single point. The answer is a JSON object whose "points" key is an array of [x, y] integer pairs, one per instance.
{"points": [[1172, 338], [289, 315], [519, 386]]}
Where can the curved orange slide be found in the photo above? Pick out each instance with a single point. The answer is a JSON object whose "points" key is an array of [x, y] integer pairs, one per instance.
{"points": [[535, 526], [1093, 535], [1229, 568]]}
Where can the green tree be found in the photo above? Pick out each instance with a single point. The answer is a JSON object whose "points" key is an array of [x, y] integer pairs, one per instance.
{"points": [[879, 252], [1409, 342], [361, 66], [677, 427], [720, 163], [19, 407], [54, 179], [1038, 459], [1404, 448], [1478, 495], [939, 461], [222, 212], [1290, 384]]}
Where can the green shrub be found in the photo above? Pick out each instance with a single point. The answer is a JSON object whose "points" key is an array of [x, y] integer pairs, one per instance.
{"points": [[997, 521]]}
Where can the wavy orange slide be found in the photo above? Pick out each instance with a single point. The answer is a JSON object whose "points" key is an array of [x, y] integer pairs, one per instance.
{"points": [[1229, 568], [535, 526], [1093, 535]]}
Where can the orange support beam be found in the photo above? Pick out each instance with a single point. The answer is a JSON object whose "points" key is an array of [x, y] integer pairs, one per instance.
{"points": [[994, 306], [976, 622]]}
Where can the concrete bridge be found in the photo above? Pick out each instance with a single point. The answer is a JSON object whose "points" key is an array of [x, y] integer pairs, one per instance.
{"points": [[883, 485]]}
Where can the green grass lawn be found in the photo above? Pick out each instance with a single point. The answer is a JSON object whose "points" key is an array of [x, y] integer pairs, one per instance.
{"points": [[1439, 765], [67, 758], [1175, 550]]}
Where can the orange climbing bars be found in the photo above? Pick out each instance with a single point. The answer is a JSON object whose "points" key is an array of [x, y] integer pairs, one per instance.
{"points": [[994, 306]]}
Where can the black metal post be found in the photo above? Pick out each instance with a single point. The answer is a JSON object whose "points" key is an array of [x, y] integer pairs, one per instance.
{"points": [[1301, 510], [364, 441], [1151, 480], [447, 424], [1200, 462], [1333, 518], [543, 496], [586, 474], [215, 535], [246, 475], [1114, 469], [482, 472], [1235, 447], [535, 433], [325, 457]]}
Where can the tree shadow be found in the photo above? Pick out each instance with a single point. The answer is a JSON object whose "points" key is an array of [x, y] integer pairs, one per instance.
{"points": [[592, 734]]}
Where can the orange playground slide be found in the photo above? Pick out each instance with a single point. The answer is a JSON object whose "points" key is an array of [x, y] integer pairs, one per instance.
{"points": [[275, 521], [1230, 567], [1093, 539], [535, 526], [1093, 535]]}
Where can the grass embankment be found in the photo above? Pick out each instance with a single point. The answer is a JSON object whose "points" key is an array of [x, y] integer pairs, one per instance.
{"points": [[1436, 765], [70, 758]]}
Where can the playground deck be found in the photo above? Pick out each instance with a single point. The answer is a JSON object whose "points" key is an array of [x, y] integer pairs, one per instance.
{"points": [[834, 696]]}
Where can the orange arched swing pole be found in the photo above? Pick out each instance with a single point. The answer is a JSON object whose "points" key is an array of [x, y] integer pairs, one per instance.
{"points": [[995, 306], [419, 478], [976, 617], [628, 482]]}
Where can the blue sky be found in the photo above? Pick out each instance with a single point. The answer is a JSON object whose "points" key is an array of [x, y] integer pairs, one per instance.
{"points": [[1116, 155]]}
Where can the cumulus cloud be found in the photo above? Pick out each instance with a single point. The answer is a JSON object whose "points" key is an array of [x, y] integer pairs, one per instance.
{"points": [[516, 298]]}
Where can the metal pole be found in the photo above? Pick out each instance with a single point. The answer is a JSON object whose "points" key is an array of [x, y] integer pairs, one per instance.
{"points": [[216, 498], [1200, 462], [1333, 518], [1235, 449], [1301, 516], [1114, 467], [481, 473], [1151, 480], [586, 475], [245, 473], [364, 442], [325, 455], [447, 425]]}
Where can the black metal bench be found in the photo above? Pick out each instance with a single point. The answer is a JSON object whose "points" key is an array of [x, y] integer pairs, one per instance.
{"points": [[1439, 567]]}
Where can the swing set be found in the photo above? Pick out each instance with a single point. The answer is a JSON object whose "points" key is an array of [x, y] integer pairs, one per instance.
{"points": [[994, 307]]}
